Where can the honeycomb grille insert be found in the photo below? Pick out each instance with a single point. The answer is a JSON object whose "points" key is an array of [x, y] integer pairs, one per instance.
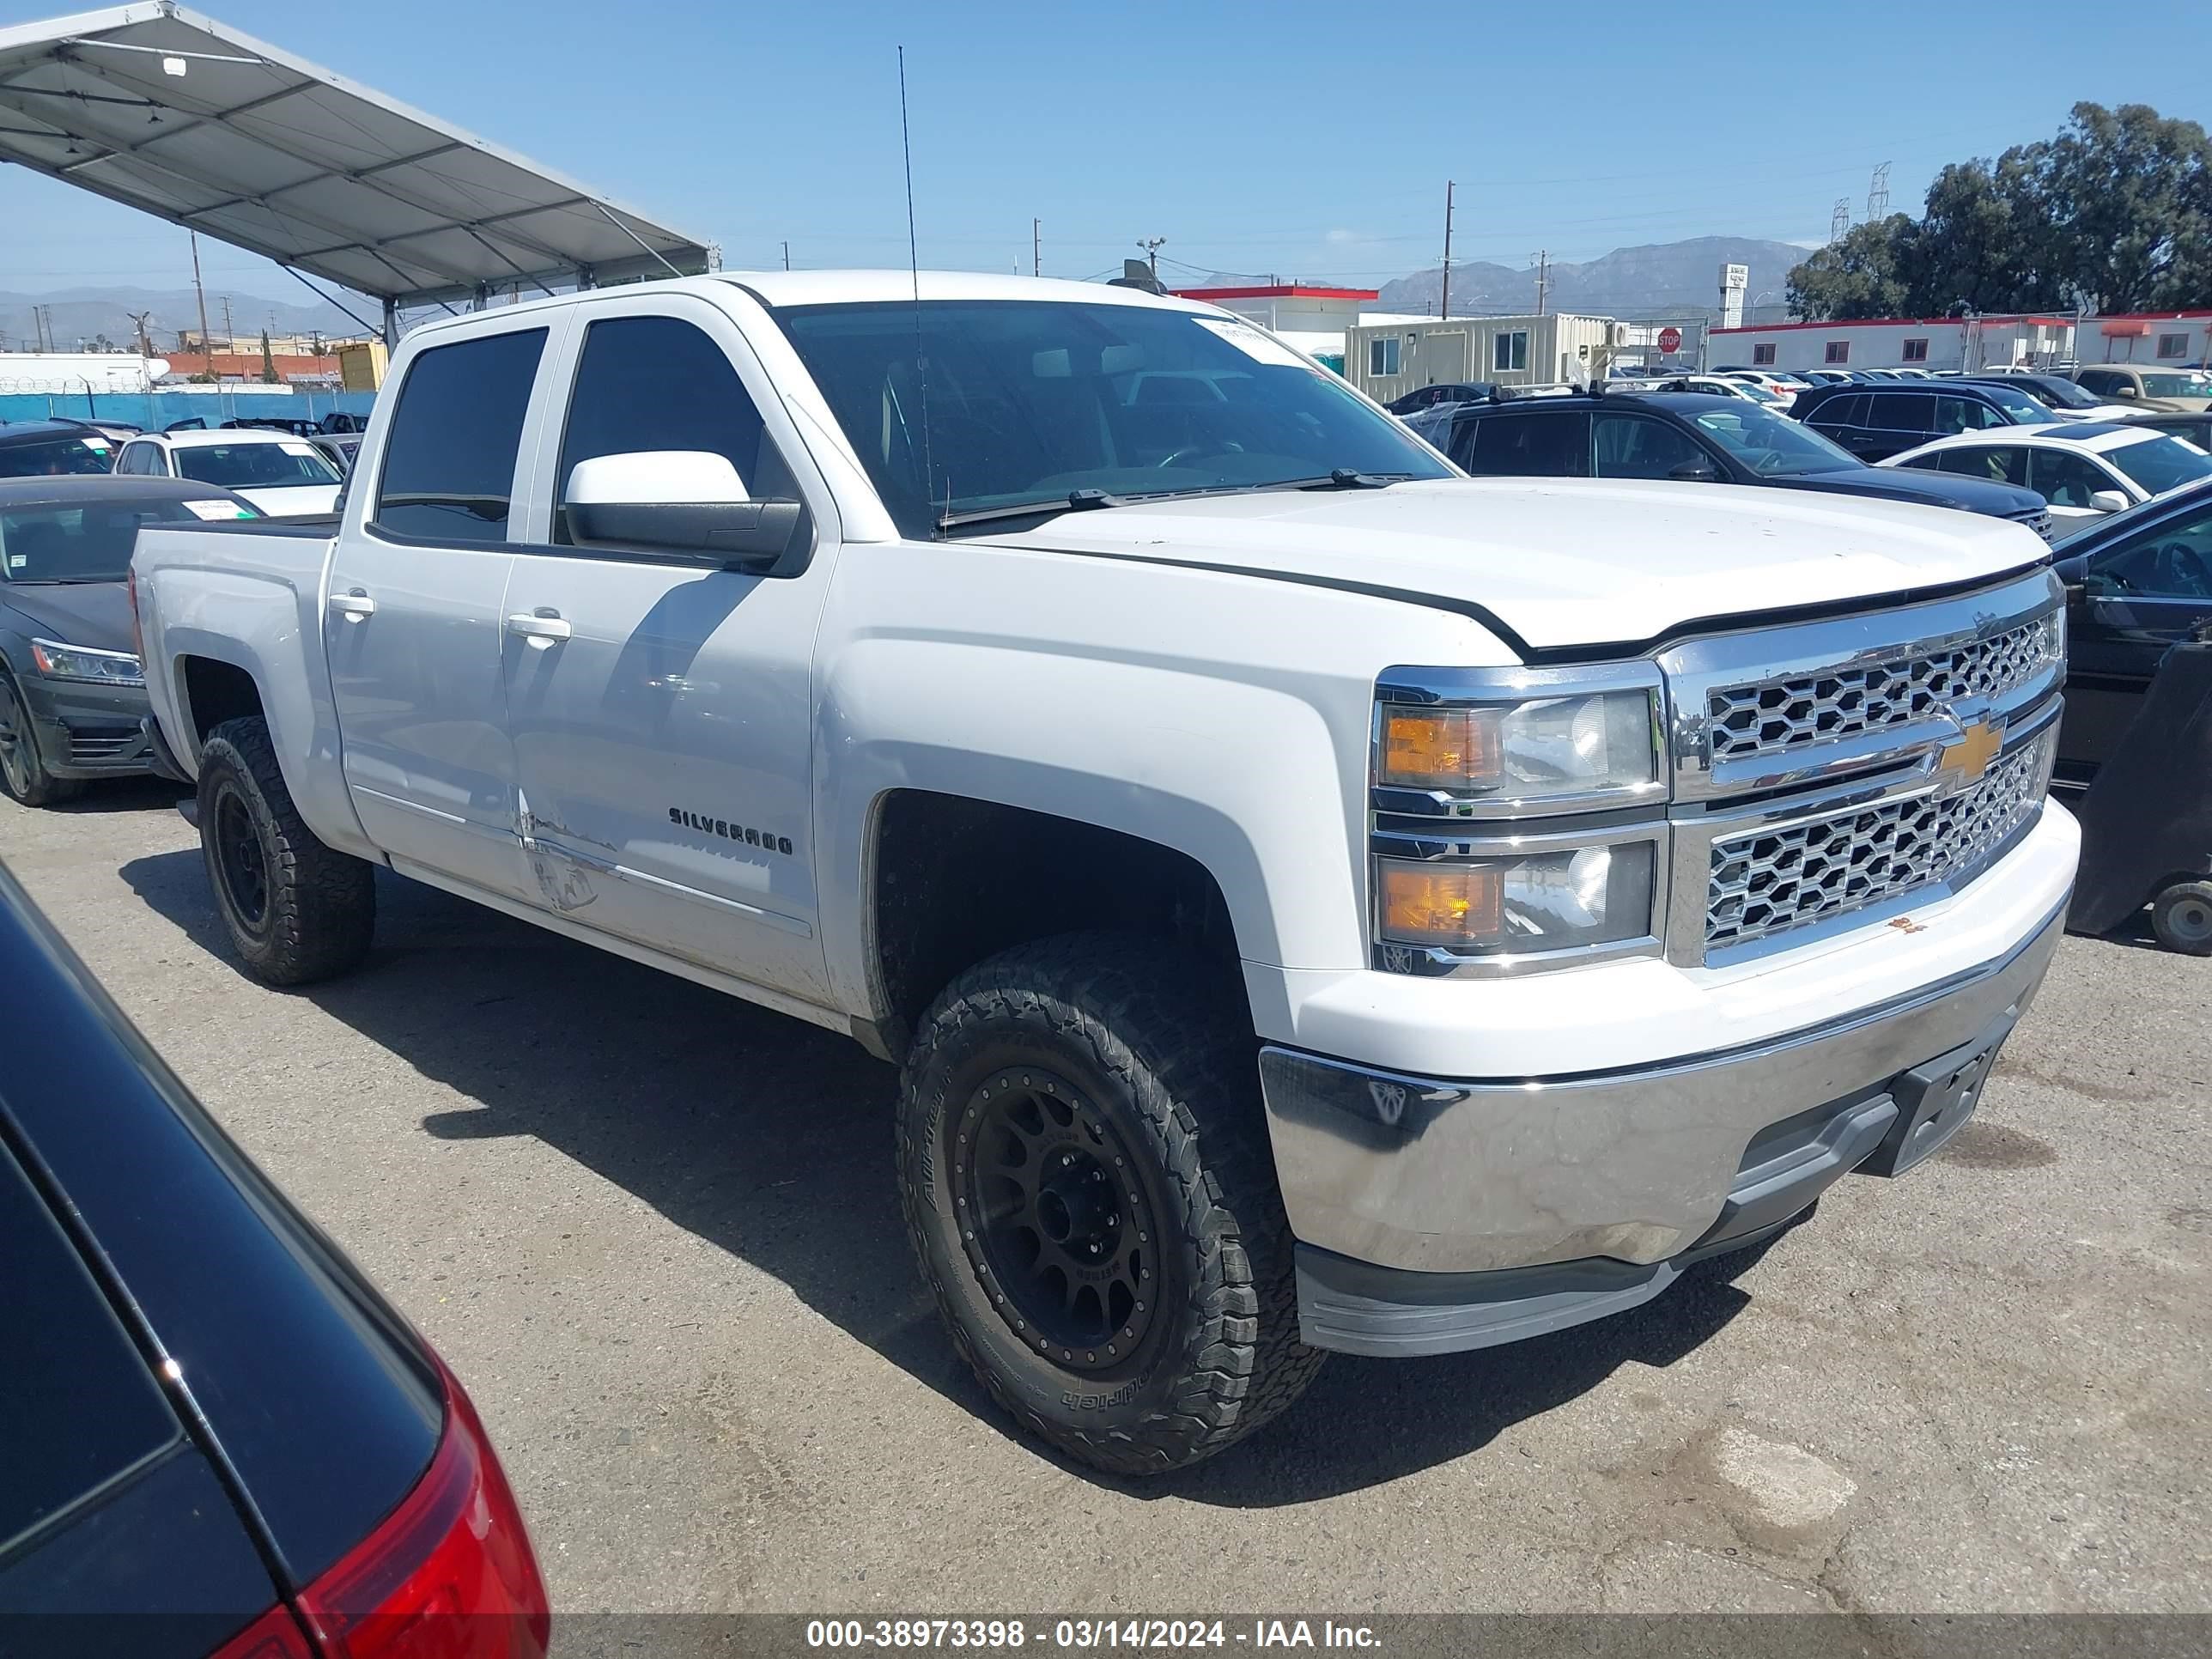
{"points": [[1772, 717], [1770, 881]]}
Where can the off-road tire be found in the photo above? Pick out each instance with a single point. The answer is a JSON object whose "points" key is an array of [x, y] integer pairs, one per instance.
{"points": [[28, 782], [2178, 917], [319, 915], [1163, 1053]]}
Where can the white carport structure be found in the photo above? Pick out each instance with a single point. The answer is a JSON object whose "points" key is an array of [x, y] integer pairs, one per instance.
{"points": [[164, 110]]}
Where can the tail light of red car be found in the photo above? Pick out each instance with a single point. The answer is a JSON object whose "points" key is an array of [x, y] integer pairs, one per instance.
{"points": [[448, 1575]]}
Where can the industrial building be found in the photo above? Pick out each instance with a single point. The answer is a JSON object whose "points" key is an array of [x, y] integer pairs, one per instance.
{"points": [[1389, 360], [1968, 343], [2153, 338]]}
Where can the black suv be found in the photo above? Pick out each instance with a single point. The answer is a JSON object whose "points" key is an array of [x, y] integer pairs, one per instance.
{"points": [[1879, 419], [53, 449], [1693, 436]]}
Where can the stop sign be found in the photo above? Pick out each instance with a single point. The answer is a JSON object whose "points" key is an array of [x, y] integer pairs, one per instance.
{"points": [[1670, 340]]}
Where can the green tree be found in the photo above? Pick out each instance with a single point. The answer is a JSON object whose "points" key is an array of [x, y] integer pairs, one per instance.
{"points": [[2127, 195], [267, 360], [1856, 277]]}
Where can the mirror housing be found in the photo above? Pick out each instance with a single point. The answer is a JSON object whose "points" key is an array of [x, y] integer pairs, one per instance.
{"points": [[2109, 501], [688, 504], [1701, 471], [2125, 392]]}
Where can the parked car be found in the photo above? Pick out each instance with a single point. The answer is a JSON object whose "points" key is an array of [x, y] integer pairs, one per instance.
{"points": [[1722, 386], [2083, 469], [1261, 844], [338, 448], [219, 1438], [2147, 388], [1781, 387], [1694, 437], [292, 425], [47, 449], [2137, 582], [72, 695], [2196, 428], [285, 477], [1877, 422], [1453, 392], [1825, 376], [2061, 395]]}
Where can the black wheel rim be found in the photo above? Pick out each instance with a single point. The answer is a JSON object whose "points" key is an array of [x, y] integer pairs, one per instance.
{"points": [[14, 734], [239, 856], [1055, 1218]]}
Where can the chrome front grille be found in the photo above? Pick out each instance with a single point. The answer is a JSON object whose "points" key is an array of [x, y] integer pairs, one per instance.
{"points": [[1772, 717], [1789, 875], [2040, 522]]}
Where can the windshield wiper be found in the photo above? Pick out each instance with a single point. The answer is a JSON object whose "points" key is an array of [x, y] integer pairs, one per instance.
{"points": [[1345, 477], [1076, 500]]}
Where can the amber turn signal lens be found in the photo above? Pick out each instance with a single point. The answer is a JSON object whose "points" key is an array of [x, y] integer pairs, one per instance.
{"points": [[1454, 905], [1438, 748]]}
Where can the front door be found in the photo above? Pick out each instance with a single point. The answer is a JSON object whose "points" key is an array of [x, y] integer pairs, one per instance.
{"points": [[661, 710], [413, 617], [2130, 603]]}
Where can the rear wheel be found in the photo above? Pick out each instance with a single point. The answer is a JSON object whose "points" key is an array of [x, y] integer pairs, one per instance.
{"points": [[23, 772], [297, 911], [1086, 1173], [2181, 916]]}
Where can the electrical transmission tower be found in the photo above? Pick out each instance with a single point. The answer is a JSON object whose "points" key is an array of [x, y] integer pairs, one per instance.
{"points": [[1878, 194], [1841, 220]]}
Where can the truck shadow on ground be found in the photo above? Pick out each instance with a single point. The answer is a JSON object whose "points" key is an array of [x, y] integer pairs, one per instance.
{"points": [[771, 1139]]}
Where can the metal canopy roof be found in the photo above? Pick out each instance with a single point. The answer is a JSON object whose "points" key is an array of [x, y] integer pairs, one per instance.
{"points": [[165, 110]]}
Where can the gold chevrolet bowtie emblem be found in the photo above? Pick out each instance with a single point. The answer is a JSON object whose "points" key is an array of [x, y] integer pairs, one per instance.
{"points": [[1964, 762]]}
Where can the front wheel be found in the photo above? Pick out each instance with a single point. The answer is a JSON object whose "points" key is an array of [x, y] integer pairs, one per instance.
{"points": [[2181, 916], [296, 911], [1084, 1170], [23, 772]]}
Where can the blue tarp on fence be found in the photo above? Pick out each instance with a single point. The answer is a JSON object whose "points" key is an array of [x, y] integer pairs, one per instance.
{"points": [[156, 410]]}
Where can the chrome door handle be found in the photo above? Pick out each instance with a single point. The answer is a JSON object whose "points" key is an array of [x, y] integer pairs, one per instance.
{"points": [[539, 630], [353, 607]]}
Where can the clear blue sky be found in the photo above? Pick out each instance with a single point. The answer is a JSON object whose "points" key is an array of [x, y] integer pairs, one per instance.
{"points": [[1295, 138]]}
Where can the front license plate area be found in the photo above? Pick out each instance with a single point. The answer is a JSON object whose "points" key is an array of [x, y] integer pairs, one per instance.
{"points": [[1934, 1100]]}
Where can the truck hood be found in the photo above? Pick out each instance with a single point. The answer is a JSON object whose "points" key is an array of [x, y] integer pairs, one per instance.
{"points": [[92, 614], [1570, 562], [1899, 483]]}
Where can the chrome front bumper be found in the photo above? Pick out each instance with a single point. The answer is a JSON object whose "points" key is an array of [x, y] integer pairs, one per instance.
{"points": [[1444, 1176]]}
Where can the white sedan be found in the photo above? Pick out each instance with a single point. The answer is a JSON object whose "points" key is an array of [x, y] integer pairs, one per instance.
{"points": [[2084, 469], [286, 477]]}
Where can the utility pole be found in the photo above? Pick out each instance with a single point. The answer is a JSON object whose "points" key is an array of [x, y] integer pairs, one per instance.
{"points": [[207, 350], [229, 328], [786, 256], [1037, 247], [1543, 277], [1444, 299], [138, 320], [1151, 249]]}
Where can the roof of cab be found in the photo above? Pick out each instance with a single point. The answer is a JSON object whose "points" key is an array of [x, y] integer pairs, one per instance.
{"points": [[104, 487]]}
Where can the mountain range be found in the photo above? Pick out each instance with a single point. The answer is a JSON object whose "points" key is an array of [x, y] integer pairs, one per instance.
{"points": [[1672, 279], [93, 314]]}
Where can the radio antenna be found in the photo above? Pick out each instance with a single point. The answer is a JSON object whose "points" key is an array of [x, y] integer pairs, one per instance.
{"points": [[913, 266]]}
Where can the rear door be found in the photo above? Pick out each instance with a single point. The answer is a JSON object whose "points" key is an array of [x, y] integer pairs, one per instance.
{"points": [[661, 706], [412, 618], [1841, 418], [1525, 444], [2129, 604], [1635, 446], [1896, 422]]}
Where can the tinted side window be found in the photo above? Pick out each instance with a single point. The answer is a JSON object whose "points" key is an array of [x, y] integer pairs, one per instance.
{"points": [[1899, 412], [1638, 447], [1994, 463], [1958, 414], [2098, 379], [2173, 562], [645, 383], [1848, 409], [77, 1405], [449, 459], [2065, 480], [1526, 447]]}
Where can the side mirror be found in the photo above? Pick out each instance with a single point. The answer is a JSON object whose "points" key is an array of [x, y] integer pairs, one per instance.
{"points": [[2108, 501], [2125, 392], [1700, 471], [688, 502]]}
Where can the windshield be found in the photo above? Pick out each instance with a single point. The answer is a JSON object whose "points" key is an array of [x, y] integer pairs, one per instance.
{"points": [[2177, 385], [1770, 444], [2023, 408], [55, 457], [1024, 401], [91, 541], [287, 464], [2161, 463]]}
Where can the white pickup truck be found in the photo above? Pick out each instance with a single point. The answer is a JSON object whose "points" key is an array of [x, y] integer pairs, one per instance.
{"points": [[1318, 901]]}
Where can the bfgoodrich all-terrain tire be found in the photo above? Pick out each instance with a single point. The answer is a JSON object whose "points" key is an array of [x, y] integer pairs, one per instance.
{"points": [[297, 911], [1084, 1165]]}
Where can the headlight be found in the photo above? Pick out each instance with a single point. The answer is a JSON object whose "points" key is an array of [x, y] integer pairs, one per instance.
{"points": [[1520, 904], [57, 661], [1591, 744]]}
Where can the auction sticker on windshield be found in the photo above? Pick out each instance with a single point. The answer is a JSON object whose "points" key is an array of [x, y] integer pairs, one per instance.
{"points": [[292, 446], [1253, 344], [215, 511]]}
